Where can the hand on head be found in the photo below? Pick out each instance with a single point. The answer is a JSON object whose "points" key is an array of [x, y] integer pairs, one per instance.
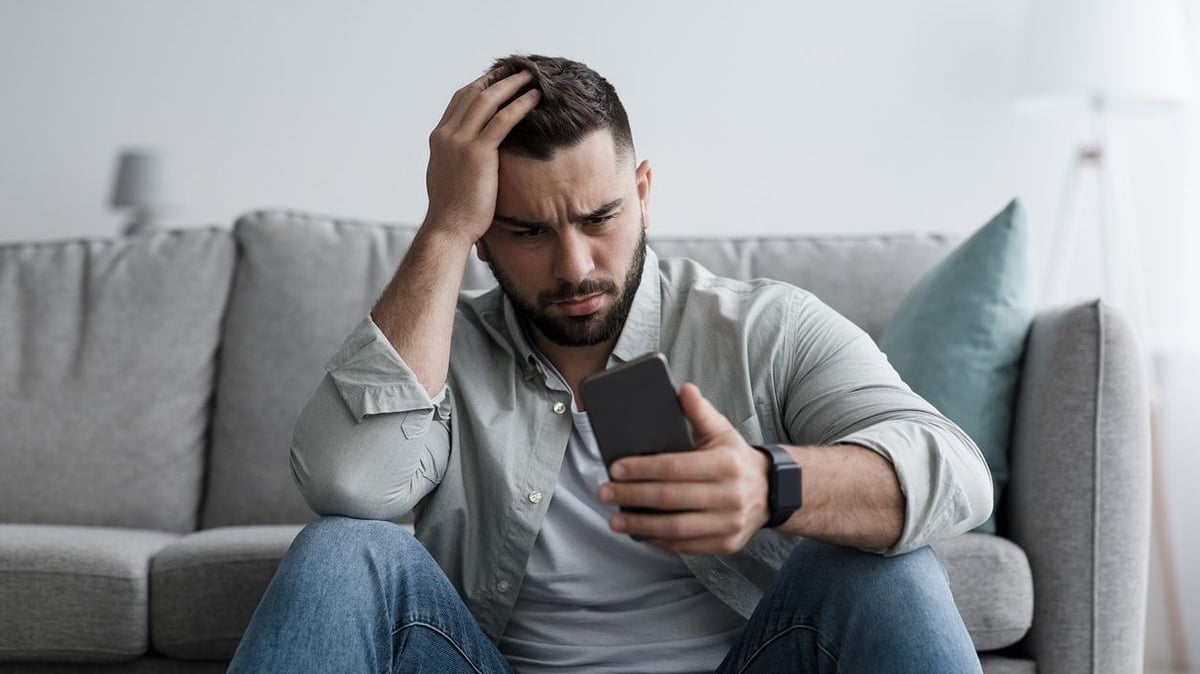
{"points": [[464, 155]]}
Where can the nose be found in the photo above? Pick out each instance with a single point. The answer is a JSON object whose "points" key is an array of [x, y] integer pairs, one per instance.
{"points": [[572, 256]]}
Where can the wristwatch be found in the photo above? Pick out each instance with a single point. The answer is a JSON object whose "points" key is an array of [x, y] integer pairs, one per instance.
{"points": [[783, 484]]}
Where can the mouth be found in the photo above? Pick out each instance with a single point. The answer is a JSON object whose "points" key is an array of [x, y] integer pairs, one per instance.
{"points": [[581, 306]]}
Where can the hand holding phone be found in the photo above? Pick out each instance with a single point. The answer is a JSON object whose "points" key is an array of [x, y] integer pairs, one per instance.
{"points": [[732, 488], [634, 409]]}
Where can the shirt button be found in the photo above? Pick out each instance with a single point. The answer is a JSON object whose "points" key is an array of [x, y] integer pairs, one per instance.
{"points": [[535, 497], [559, 408], [502, 586]]}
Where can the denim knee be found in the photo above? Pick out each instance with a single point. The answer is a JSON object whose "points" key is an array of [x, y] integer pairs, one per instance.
{"points": [[335, 540], [901, 584], [335, 528], [832, 607], [342, 531]]}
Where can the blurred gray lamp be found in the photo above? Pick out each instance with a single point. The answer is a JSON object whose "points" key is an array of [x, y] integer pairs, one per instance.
{"points": [[139, 187]]}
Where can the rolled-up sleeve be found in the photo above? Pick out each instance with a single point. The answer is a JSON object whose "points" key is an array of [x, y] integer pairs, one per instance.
{"points": [[370, 442], [842, 390]]}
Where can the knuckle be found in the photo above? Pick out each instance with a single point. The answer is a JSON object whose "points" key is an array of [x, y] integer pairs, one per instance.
{"points": [[673, 467], [748, 522], [733, 525], [726, 463], [674, 528], [737, 463], [735, 499], [488, 92], [506, 113], [671, 494], [631, 467]]}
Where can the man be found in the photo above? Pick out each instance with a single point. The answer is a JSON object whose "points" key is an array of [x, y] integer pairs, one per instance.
{"points": [[465, 408]]}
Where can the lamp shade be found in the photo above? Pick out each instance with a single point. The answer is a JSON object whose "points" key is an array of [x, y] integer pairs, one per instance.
{"points": [[139, 181], [1117, 50]]}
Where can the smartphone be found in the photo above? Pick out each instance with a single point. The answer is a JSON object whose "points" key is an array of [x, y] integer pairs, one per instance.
{"points": [[634, 410]]}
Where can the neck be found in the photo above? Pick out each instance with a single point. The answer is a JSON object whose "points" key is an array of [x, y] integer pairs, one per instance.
{"points": [[574, 362]]}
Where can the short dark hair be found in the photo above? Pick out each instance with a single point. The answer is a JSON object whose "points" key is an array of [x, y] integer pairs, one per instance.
{"points": [[575, 101]]}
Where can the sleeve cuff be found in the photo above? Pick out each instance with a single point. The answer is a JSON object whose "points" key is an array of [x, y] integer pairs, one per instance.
{"points": [[372, 378], [935, 476]]}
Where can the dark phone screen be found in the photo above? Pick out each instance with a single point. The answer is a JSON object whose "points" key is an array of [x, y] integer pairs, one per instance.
{"points": [[634, 409]]}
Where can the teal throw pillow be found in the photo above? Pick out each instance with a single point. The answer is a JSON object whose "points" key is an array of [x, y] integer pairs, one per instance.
{"points": [[958, 337]]}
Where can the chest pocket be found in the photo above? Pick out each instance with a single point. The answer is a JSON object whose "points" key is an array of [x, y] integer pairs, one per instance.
{"points": [[762, 427]]}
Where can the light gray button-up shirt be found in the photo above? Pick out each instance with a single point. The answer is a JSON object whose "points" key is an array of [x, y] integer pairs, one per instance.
{"points": [[475, 460]]}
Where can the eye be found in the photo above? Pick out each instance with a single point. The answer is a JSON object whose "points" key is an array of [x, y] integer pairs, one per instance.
{"points": [[528, 232], [599, 220]]}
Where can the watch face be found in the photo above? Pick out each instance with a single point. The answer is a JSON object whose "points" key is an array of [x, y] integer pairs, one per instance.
{"points": [[785, 484], [787, 487]]}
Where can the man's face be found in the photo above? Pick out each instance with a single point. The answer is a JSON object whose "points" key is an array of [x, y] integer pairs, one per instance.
{"points": [[568, 241]]}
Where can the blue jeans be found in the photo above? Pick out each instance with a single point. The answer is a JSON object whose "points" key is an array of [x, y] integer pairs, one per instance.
{"points": [[364, 596]]}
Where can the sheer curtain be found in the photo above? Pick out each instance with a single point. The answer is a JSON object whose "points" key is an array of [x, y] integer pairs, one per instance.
{"points": [[1173, 616]]}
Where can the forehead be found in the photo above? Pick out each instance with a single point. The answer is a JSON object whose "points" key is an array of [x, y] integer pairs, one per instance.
{"points": [[584, 175]]}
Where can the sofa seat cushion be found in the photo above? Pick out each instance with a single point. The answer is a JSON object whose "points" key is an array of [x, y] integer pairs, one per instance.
{"points": [[992, 586], [204, 588], [998, 664], [75, 594], [147, 664]]}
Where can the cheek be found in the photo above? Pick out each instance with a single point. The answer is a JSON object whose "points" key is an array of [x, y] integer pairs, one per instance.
{"points": [[528, 267], [624, 251]]}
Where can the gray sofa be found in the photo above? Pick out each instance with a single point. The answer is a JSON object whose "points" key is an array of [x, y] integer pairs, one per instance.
{"points": [[148, 387]]}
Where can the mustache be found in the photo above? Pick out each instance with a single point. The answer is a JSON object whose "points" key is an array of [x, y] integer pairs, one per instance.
{"points": [[569, 291]]}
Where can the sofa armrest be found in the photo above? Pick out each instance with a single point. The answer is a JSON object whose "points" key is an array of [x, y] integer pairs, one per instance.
{"points": [[1079, 498]]}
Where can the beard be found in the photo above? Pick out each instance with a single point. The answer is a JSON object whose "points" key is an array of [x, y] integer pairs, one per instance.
{"points": [[576, 331]]}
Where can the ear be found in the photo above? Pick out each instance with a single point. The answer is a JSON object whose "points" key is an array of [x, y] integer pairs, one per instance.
{"points": [[644, 176]]}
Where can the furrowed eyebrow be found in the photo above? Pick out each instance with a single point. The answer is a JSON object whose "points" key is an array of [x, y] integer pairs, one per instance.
{"points": [[517, 222], [603, 211]]}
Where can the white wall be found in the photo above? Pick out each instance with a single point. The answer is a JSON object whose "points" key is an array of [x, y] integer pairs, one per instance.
{"points": [[832, 117], [860, 116]]}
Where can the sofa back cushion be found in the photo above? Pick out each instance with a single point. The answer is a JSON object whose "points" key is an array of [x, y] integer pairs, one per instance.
{"points": [[302, 283], [864, 278], [107, 354]]}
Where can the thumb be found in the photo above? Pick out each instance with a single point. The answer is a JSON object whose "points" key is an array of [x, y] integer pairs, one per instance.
{"points": [[707, 422]]}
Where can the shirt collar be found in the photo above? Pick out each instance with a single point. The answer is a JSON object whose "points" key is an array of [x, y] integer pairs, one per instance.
{"points": [[641, 332], [528, 360], [639, 335]]}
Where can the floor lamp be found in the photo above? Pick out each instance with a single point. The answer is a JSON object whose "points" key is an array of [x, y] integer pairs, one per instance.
{"points": [[1100, 162], [1109, 54]]}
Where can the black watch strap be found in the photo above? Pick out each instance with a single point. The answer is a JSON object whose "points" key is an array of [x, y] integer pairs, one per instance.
{"points": [[784, 482]]}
